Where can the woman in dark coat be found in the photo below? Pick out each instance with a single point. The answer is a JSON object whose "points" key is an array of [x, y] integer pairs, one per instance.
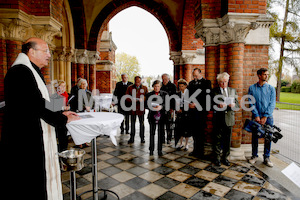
{"points": [[182, 118], [157, 115]]}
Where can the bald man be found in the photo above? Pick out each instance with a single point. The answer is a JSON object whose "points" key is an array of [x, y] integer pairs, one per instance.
{"points": [[28, 148]]}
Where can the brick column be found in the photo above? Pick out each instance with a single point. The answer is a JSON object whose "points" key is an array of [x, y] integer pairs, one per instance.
{"points": [[82, 59], [13, 48], [235, 69], [212, 62]]}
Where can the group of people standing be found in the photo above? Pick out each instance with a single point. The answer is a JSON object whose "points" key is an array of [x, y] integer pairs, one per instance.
{"points": [[190, 120]]}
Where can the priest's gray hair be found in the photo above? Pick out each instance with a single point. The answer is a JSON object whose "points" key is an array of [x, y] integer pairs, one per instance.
{"points": [[82, 81], [222, 76]]}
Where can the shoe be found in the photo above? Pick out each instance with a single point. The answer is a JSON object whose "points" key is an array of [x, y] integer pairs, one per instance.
{"points": [[226, 162], [143, 141], [160, 153], [130, 141], [217, 162], [127, 132], [122, 132], [253, 160], [268, 162], [151, 153], [186, 148]]}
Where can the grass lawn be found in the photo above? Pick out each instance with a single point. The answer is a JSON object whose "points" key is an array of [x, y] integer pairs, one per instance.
{"points": [[288, 97]]}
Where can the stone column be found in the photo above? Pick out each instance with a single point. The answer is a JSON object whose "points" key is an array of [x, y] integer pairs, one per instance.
{"points": [[69, 55], [93, 57]]}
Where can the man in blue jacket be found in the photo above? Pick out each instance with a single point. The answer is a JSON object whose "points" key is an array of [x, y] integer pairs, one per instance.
{"points": [[265, 100]]}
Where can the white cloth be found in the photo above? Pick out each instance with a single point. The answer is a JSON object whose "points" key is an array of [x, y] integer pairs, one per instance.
{"points": [[53, 180], [101, 123]]}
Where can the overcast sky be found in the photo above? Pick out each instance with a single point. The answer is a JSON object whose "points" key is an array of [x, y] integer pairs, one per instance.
{"points": [[138, 33]]}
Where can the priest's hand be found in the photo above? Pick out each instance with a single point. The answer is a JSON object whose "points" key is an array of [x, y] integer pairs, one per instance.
{"points": [[72, 116]]}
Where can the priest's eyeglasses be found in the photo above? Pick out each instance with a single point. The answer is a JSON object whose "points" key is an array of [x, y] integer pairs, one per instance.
{"points": [[45, 51]]}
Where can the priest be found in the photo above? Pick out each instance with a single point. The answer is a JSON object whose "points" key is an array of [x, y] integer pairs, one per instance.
{"points": [[29, 165]]}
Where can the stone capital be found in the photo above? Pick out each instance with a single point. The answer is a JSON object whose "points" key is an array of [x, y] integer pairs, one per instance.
{"points": [[17, 25], [82, 56], [194, 57], [231, 28], [176, 57], [69, 54], [59, 54], [93, 56]]}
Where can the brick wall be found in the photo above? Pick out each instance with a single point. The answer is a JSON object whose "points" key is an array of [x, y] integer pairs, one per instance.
{"points": [[247, 6], [255, 57], [103, 77]]}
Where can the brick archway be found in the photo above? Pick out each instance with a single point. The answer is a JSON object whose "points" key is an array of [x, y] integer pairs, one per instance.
{"points": [[156, 9]]}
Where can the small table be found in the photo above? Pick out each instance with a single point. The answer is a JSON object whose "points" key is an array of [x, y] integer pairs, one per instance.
{"points": [[88, 128]]}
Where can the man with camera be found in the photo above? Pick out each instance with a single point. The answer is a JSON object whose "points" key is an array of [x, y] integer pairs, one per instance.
{"points": [[265, 100]]}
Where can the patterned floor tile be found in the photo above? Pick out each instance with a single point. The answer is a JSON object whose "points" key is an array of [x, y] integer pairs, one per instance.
{"points": [[226, 181], [137, 170], [206, 175], [151, 176], [123, 176], [170, 195], [109, 171], [198, 164], [216, 189], [204, 195], [189, 169], [167, 183], [150, 165], [179, 176], [247, 188], [196, 182], [133, 174], [253, 180], [270, 194], [107, 183], [237, 195], [137, 195], [153, 191], [174, 165], [215, 169], [137, 183], [233, 174], [125, 165], [185, 190], [122, 190], [163, 170]]}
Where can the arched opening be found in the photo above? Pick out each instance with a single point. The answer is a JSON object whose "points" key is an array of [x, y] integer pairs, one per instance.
{"points": [[143, 37]]}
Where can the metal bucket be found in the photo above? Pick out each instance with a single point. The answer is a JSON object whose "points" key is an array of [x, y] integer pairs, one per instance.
{"points": [[71, 160]]}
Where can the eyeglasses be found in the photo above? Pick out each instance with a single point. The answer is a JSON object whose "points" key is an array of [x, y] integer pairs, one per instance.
{"points": [[45, 51]]}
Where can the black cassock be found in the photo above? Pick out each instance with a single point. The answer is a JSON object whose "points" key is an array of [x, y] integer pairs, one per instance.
{"points": [[22, 164]]}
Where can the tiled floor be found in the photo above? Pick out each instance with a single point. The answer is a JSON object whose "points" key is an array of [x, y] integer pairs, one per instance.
{"points": [[133, 174]]}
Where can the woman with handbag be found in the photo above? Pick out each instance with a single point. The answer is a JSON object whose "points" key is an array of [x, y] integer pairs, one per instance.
{"points": [[157, 115]]}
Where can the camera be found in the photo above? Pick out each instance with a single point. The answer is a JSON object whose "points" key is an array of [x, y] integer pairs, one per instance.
{"points": [[269, 132]]}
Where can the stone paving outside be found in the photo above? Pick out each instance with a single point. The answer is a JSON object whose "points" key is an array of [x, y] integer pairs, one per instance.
{"points": [[133, 174]]}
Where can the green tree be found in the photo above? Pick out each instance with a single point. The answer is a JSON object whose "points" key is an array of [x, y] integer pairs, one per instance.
{"points": [[127, 64], [285, 32]]}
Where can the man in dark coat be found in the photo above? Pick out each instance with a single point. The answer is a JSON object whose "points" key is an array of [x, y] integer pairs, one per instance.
{"points": [[198, 116], [23, 151], [170, 89], [120, 91]]}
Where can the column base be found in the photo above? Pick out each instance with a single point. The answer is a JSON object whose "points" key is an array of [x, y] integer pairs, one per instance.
{"points": [[237, 154]]}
